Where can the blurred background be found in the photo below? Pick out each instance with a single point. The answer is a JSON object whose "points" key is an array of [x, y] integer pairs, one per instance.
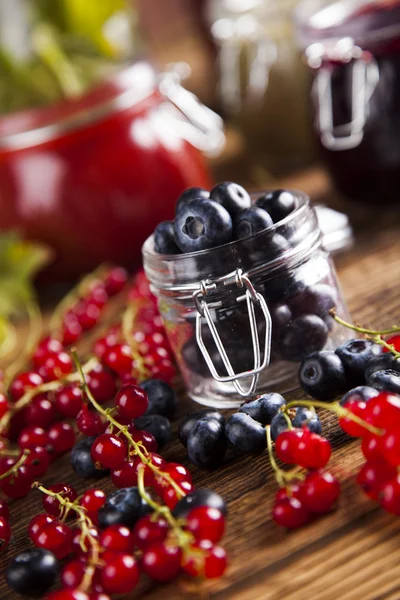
{"points": [[110, 108]]}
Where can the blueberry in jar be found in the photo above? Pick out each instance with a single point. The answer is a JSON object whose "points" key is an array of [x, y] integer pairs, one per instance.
{"points": [[192, 193], [202, 224], [306, 417], [32, 572], [161, 396], [281, 316], [245, 434], [231, 196], [279, 204], [306, 334], [159, 427], [387, 380], [317, 300], [250, 221], [322, 375], [206, 444], [354, 355], [81, 459], [264, 408], [361, 393], [191, 419], [197, 498], [123, 507], [164, 238]]}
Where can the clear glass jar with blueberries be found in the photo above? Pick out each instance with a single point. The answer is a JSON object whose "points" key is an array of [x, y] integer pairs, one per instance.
{"points": [[245, 289]]}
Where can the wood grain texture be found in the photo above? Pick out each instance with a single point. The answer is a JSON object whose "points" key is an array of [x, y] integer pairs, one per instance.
{"points": [[350, 554]]}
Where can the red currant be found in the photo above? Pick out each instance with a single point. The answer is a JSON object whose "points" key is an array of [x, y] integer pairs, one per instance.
{"points": [[374, 475], [24, 382], [61, 437], [5, 533], [109, 451], [389, 446], [313, 451], [119, 359], [82, 550], [215, 561], [4, 510], [148, 440], [89, 422], [358, 408], [51, 504], [117, 538], [92, 500], [126, 475], [69, 400], [176, 472], [286, 445], [319, 491], [206, 523], [17, 485], [4, 405], [131, 401], [164, 370], [292, 490], [38, 461], [121, 575], [290, 513], [101, 383], [148, 532], [40, 412], [71, 330], [68, 594], [45, 347], [171, 497], [115, 280], [98, 295], [103, 344], [37, 523], [394, 340], [390, 496], [55, 537], [56, 366], [371, 447], [161, 562], [73, 573], [384, 410], [32, 436]]}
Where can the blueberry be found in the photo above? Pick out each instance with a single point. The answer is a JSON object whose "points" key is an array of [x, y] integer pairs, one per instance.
{"points": [[354, 355], [206, 443], [158, 426], [263, 409], [315, 300], [322, 375], [202, 224], [304, 335], [251, 221], [387, 380], [362, 392], [382, 362], [276, 246], [281, 316], [192, 193], [81, 460], [32, 572], [162, 398], [199, 498], [231, 196], [125, 507], [164, 238], [246, 434], [305, 417], [278, 424], [279, 204], [186, 426]]}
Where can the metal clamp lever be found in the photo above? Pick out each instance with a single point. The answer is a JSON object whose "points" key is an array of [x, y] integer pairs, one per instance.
{"points": [[252, 298]]}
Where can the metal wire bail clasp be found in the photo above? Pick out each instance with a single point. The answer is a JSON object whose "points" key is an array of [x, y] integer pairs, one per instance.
{"points": [[364, 79], [252, 298]]}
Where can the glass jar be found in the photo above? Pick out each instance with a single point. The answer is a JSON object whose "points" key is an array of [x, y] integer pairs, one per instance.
{"points": [[262, 81], [241, 316], [92, 177], [353, 50]]}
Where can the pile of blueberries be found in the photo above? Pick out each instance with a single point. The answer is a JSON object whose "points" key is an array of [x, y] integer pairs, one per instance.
{"points": [[205, 219], [358, 369]]}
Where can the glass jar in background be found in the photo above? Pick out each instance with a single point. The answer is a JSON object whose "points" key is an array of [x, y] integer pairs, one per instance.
{"points": [[241, 316], [262, 87], [353, 50]]}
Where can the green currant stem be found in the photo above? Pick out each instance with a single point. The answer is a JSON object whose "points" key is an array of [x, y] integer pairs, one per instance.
{"points": [[128, 321], [336, 408], [8, 335], [35, 331], [51, 386], [394, 329], [85, 525], [17, 465], [282, 477], [389, 347], [74, 295], [137, 448]]}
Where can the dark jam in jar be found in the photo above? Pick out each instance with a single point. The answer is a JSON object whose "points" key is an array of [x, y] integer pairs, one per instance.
{"points": [[353, 49]]}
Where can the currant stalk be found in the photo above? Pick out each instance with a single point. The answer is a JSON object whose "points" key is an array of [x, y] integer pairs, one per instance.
{"points": [[128, 320], [372, 334], [12, 470], [282, 477]]}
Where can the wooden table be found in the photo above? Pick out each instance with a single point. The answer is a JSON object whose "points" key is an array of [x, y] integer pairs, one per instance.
{"points": [[352, 553]]}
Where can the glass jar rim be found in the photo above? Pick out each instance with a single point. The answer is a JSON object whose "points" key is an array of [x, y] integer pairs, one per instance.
{"points": [[67, 116], [319, 21], [185, 272]]}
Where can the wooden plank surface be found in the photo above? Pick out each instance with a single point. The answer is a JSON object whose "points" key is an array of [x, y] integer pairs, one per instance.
{"points": [[350, 554]]}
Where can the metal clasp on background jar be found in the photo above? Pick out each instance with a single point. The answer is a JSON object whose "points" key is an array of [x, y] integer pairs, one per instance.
{"points": [[364, 73], [241, 316]]}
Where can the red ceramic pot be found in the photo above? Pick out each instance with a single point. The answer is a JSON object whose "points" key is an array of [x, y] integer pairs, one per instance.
{"points": [[93, 177]]}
